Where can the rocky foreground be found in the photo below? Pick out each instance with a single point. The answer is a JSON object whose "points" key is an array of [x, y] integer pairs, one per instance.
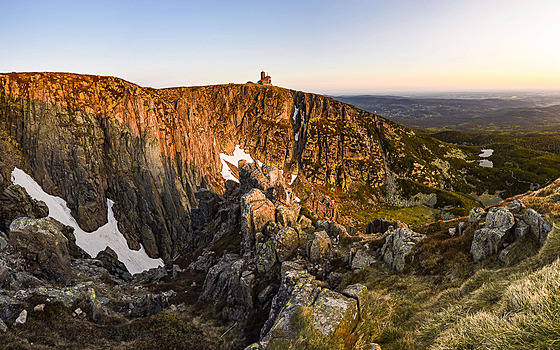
{"points": [[260, 264]]}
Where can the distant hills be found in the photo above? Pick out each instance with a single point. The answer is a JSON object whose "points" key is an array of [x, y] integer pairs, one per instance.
{"points": [[523, 113]]}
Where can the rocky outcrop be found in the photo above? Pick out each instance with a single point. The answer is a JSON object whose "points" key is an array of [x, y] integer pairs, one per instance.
{"points": [[16, 203], [43, 246], [538, 225], [324, 206], [110, 261], [503, 230], [398, 244]]}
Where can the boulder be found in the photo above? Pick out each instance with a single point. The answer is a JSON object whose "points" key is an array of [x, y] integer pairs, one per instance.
{"points": [[110, 261], [298, 288], [224, 281], [521, 229], [476, 214], [398, 244], [22, 318], [208, 206], [204, 262], [287, 216], [286, 242], [500, 219], [43, 245], [515, 207], [3, 327], [487, 241], [539, 227], [319, 247], [362, 259], [334, 315], [15, 202], [356, 291]]}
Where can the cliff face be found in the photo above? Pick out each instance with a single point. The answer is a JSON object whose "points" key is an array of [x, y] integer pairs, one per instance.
{"points": [[88, 138]]}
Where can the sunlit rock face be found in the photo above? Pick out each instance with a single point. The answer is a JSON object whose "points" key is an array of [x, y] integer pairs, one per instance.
{"points": [[87, 138]]}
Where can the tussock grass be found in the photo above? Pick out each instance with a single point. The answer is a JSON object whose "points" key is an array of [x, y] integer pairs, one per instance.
{"points": [[525, 315]]}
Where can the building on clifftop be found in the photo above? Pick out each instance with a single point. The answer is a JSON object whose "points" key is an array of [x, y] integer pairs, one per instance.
{"points": [[265, 79]]}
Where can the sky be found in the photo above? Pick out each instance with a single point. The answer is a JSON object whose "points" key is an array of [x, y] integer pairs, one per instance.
{"points": [[329, 47]]}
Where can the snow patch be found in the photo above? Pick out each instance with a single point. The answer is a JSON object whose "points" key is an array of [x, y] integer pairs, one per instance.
{"points": [[238, 154], [92, 243], [296, 110], [294, 177], [296, 136]]}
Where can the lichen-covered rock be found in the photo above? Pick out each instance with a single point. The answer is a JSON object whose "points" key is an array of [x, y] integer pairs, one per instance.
{"points": [[362, 259], [15, 202], [476, 214], [539, 227], [320, 247], [398, 244], [334, 315], [521, 229], [204, 262], [357, 291], [3, 327], [500, 219], [286, 242], [487, 241], [297, 289], [515, 207], [41, 243]]}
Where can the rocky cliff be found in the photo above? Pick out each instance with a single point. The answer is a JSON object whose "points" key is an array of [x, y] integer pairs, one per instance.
{"points": [[87, 138]]}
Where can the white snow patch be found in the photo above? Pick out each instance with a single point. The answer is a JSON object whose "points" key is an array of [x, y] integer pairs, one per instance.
{"points": [[296, 110], [238, 154], [296, 136], [298, 200], [294, 177], [107, 235]]}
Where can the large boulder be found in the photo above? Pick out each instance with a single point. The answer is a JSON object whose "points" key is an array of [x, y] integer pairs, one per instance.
{"points": [[43, 245], [286, 242], [334, 315], [398, 244], [320, 247], [15, 202], [539, 227], [500, 219], [487, 241], [362, 259]]}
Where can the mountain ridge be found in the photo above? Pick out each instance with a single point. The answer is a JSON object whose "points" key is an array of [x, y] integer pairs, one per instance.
{"points": [[87, 137]]}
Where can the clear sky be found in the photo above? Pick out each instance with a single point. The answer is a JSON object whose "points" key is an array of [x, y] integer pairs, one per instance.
{"points": [[346, 46]]}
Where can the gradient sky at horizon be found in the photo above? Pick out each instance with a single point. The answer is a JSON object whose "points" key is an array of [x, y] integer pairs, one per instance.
{"points": [[333, 47]]}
